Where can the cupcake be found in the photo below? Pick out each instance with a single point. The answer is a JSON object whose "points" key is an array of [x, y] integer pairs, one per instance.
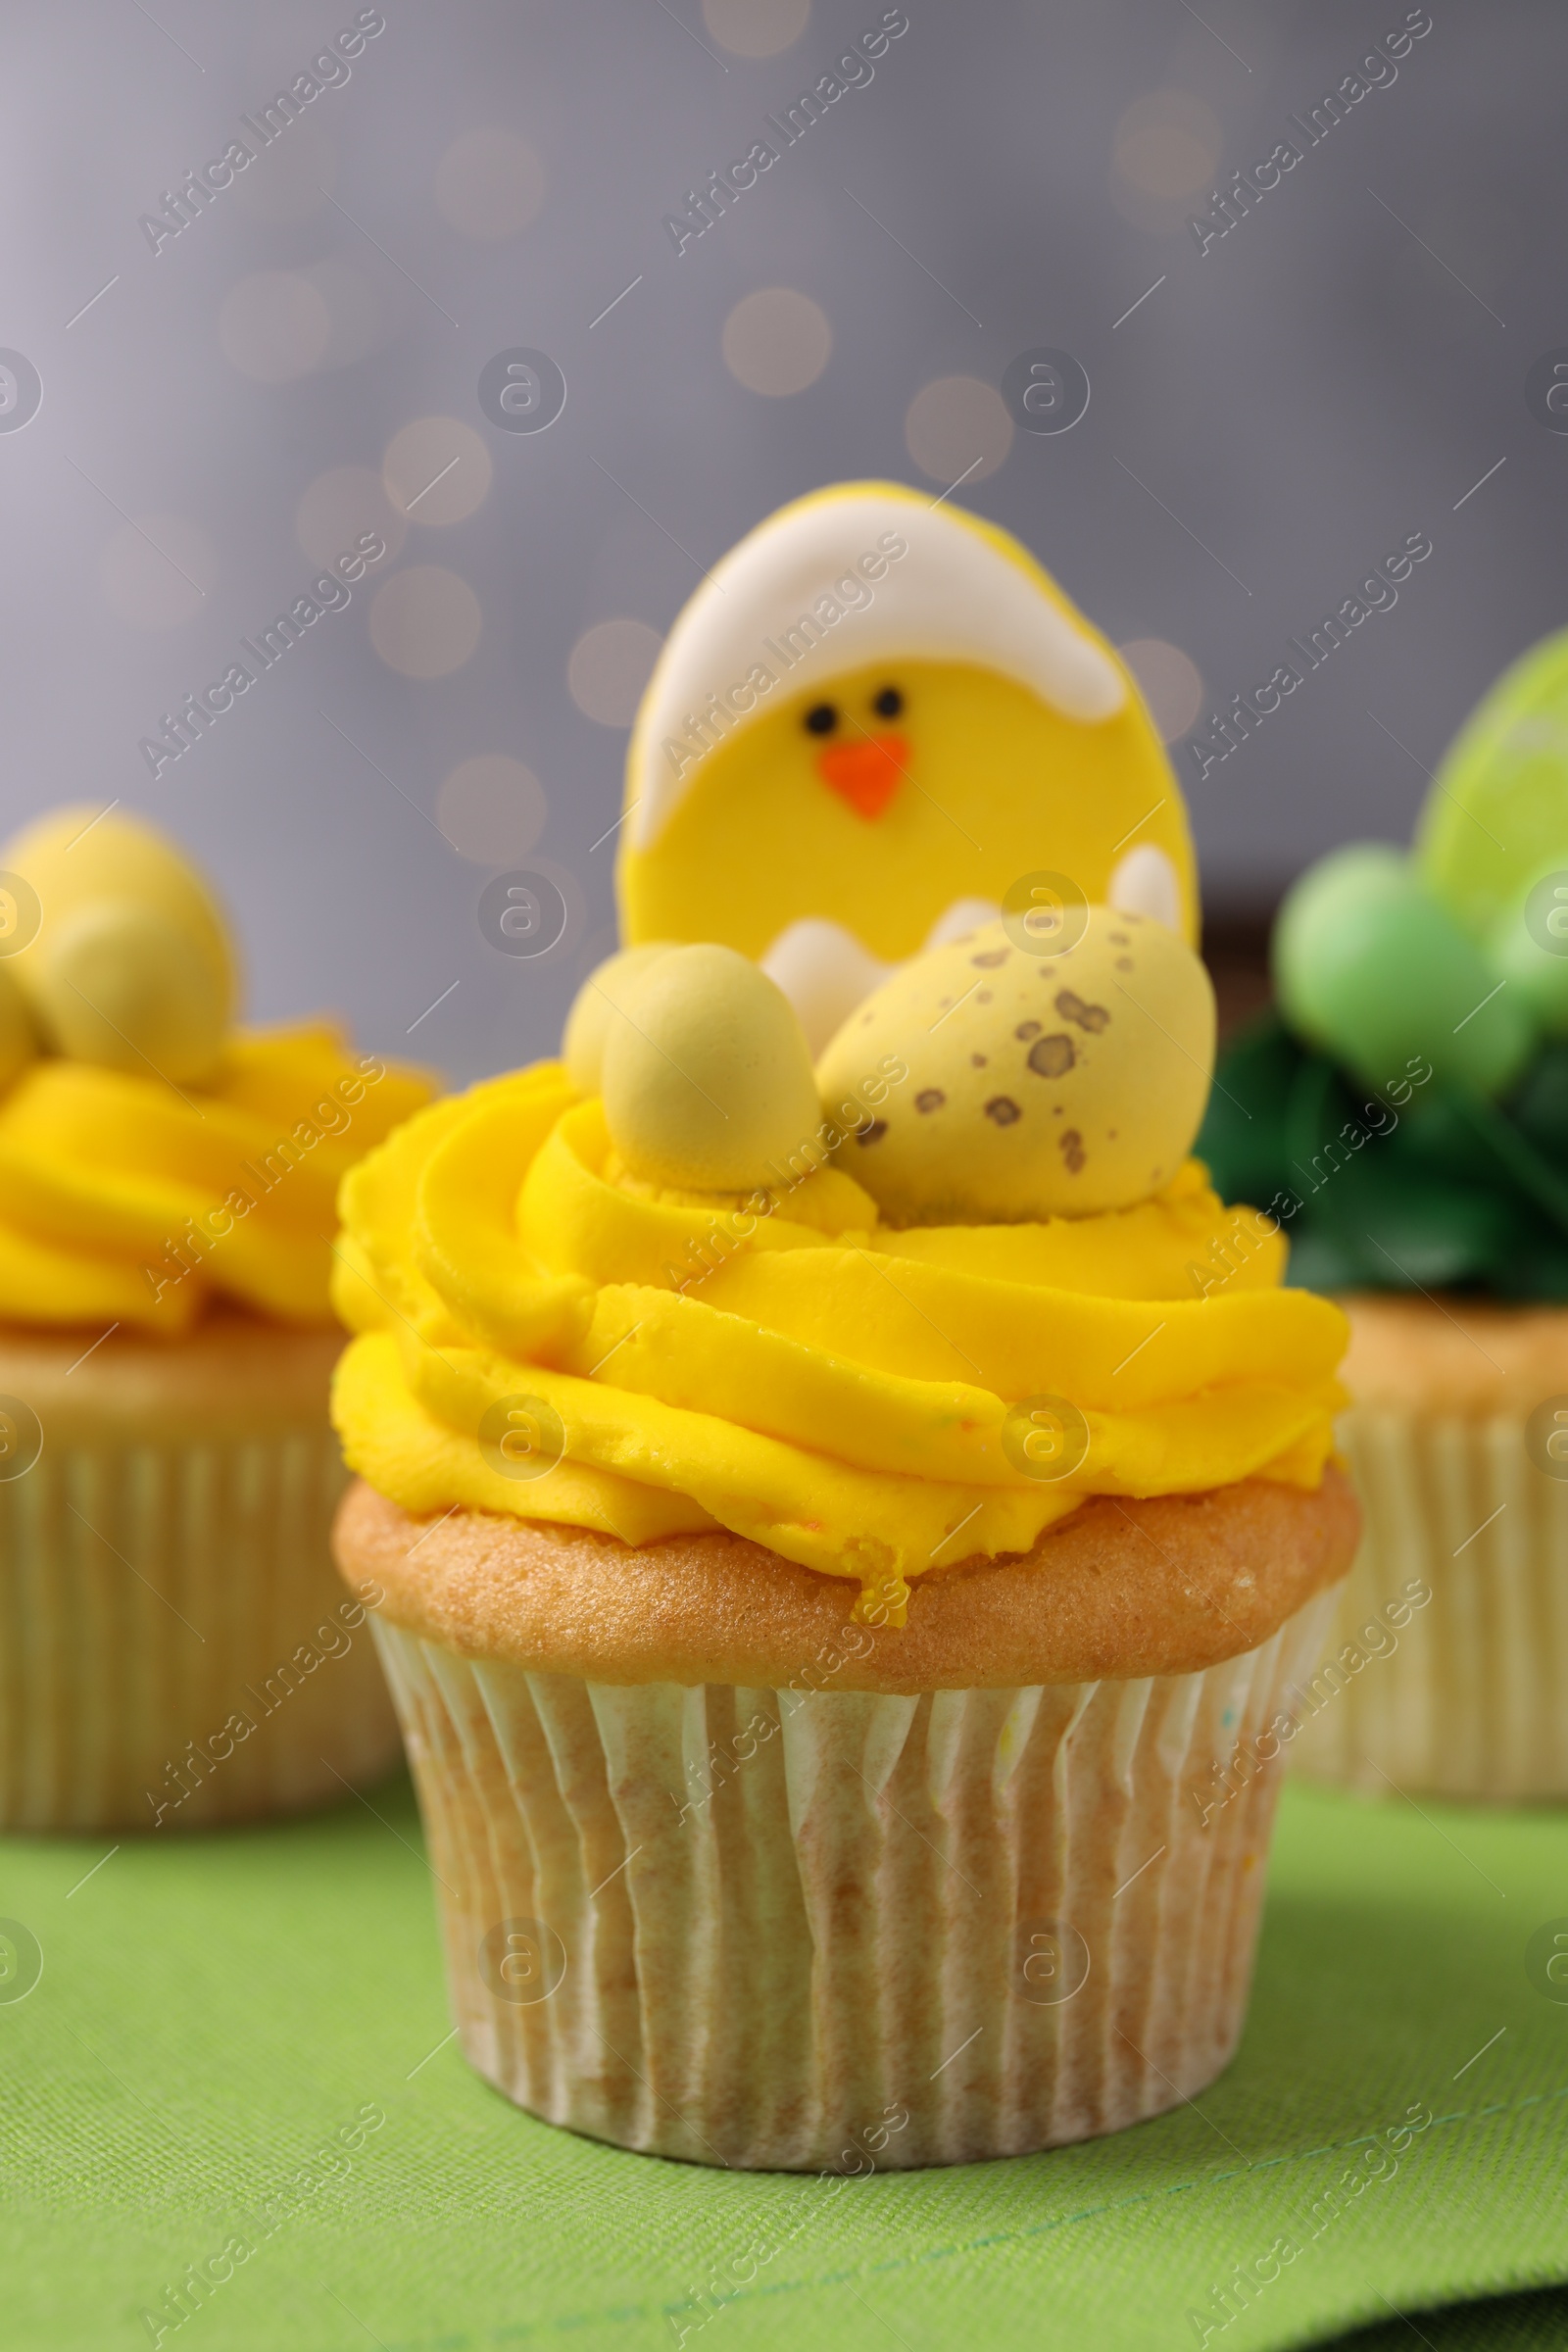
{"points": [[834, 1564], [1404, 1114], [174, 1648]]}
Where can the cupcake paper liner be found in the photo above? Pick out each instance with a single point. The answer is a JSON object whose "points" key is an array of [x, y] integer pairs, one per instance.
{"points": [[837, 1929], [176, 1648], [1463, 1692]]}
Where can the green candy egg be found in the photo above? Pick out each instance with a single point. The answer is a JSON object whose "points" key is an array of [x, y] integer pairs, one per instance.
{"points": [[1374, 970], [706, 1080], [1530, 950], [1498, 814], [18, 1044], [1039, 1085], [598, 1002]]}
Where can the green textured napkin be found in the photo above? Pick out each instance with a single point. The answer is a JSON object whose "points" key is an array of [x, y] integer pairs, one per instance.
{"points": [[243, 2038]]}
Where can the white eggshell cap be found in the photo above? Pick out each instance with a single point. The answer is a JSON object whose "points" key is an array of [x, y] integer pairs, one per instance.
{"points": [[837, 582]]}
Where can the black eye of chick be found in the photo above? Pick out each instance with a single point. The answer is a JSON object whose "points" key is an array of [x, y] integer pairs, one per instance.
{"points": [[889, 703], [821, 718]]}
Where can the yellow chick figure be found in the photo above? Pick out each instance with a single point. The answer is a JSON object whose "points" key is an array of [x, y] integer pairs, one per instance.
{"points": [[130, 965], [873, 720], [1041, 1084]]}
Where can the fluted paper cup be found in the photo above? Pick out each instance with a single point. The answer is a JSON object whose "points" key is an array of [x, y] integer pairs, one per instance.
{"points": [[834, 1929], [1447, 1665], [176, 1648]]}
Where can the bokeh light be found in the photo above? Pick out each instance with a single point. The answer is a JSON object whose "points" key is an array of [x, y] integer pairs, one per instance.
{"points": [[776, 341], [491, 809], [1166, 156], [1171, 683], [436, 471], [608, 666], [757, 27], [425, 621], [957, 428]]}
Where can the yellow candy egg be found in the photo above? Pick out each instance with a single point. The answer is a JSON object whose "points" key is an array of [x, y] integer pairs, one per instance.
{"points": [[707, 1081], [597, 1004], [1039, 1085], [131, 965], [122, 987], [17, 1042]]}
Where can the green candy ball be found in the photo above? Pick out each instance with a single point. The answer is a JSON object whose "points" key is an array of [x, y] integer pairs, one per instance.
{"points": [[1530, 950], [708, 1083], [1373, 970]]}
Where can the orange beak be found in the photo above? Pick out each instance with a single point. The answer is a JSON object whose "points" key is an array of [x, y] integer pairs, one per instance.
{"points": [[866, 773]]}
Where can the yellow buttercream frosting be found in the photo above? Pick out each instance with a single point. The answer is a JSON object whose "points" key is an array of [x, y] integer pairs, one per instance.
{"points": [[152, 1155], [128, 1199], [545, 1335]]}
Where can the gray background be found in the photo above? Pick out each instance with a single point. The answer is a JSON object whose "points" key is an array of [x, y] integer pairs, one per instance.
{"points": [[1321, 382]]}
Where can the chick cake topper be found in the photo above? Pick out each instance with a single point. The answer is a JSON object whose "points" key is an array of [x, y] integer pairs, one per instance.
{"points": [[875, 719]]}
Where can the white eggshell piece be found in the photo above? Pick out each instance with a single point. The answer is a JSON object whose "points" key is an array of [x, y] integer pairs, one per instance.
{"points": [[1143, 882], [825, 972]]}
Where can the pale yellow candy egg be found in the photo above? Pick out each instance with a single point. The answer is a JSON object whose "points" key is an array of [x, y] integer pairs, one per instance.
{"points": [[126, 990], [17, 1042], [707, 1081], [131, 965], [1057, 1085], [597, 1004]]}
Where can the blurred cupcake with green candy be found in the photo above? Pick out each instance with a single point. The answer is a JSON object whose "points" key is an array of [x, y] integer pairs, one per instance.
{"points": [[1403, 1114], [174, 1647]]}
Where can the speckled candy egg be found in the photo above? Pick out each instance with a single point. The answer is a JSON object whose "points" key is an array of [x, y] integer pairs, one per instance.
{"points": [[1055, 1085]]}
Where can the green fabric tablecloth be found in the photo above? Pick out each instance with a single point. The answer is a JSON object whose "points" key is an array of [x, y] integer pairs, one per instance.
{"points": [[242, 2038]]}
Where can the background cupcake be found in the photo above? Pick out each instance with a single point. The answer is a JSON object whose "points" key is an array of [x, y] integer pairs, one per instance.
{"points": [[173, 1648], [1405, 1115], [841, 1582]]}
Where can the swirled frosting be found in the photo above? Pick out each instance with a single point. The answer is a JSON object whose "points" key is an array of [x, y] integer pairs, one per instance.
{"points": [[865, 1400], [130, 1199]]}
